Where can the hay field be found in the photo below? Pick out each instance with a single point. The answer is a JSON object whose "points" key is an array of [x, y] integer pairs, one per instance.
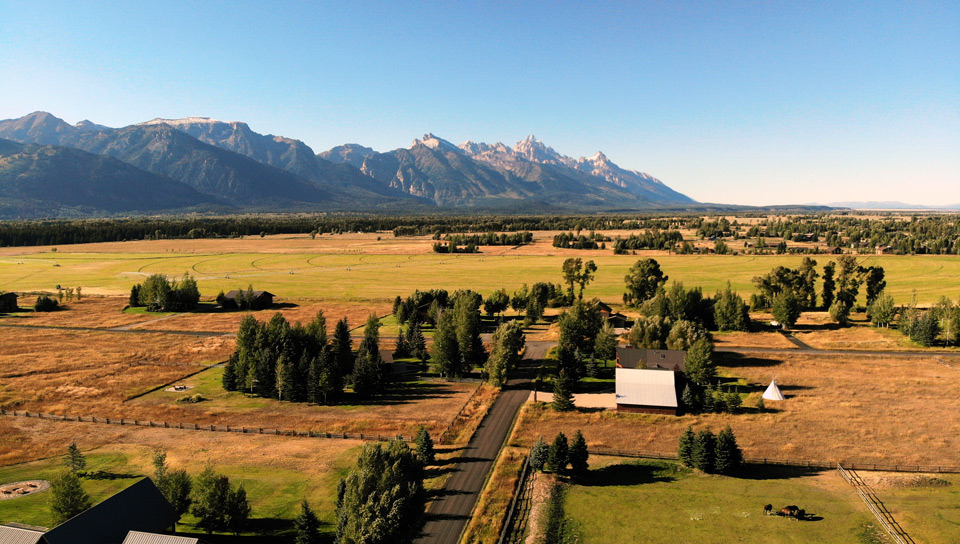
{"points": [[83, 372], [854, 409], [360, 268]]}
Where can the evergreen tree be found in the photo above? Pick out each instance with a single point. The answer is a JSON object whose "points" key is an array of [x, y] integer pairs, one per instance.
{"points": [[849, 279], [562, 396], [135, 295], [558, 456], [317, 329], [283, 376], [579, 454], [685, 450], [873, 277], [402, 349], [229, 378], [343, 347], [67, 497], [424, 443], [691, 401], [367, 375], [445, 352], [605, 346], [829, 285], [418, 344], [306, 526], [326, 377], [704, 451], [381, 501], [74, 460], [238, 510], [538, 454], [699, 362], [728, 454]]}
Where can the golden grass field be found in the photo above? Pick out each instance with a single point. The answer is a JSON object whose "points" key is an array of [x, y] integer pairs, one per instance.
{"points": [[856, 409], [358, 267]]}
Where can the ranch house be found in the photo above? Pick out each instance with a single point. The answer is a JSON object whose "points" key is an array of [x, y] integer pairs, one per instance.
{"points": [[647, 391], [260, 300]]}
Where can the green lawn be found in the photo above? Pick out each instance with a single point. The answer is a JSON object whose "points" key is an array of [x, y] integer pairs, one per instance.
{"points": [[628, 501], [928, 513], [382, 277], [274, 492]]}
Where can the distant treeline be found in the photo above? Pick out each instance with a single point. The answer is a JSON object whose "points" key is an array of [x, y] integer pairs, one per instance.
{"points": [[655, 239], [569, 240], [488, 239]]}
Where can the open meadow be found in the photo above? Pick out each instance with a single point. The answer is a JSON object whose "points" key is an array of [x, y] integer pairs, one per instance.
{"points": [[358, 267], [664, 502]]}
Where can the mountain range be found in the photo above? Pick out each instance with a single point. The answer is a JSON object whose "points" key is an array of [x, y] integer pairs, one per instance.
{"points": [[201, 164]]}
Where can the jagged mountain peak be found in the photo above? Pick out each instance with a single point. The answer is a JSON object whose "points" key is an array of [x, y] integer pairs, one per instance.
{"points": [[186, 121], [435, 142]]}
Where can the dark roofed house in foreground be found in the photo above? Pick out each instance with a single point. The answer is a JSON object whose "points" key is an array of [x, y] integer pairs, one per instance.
{"points": [[253, 300], [140, 507]]}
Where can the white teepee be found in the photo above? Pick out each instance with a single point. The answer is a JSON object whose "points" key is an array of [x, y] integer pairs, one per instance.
{"points": [[773, 392]]}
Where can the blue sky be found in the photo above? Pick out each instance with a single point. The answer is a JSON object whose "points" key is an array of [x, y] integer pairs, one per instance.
{"points": [[740, 102]]}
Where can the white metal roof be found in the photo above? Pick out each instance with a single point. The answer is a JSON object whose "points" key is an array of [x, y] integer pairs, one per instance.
{"points": [[137, 537], [16, 535], [646, 387]]}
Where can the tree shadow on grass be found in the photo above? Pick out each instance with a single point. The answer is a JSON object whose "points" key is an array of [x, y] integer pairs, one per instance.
{"points": [[402, 393], [737, 360], [625, 474]]}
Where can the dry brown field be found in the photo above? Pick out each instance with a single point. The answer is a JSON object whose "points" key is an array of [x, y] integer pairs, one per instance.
{"points": [[91, 311], [855, 409], [751, 340], [85, 372]]}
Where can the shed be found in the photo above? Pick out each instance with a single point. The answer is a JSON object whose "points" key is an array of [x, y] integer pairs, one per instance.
{"points": [[261, 299], [138, 537], [646, 391], [658, 359], [140, 507], [8, 302], [20, 535]]}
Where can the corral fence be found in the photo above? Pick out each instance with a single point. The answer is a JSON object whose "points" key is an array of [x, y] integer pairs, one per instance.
{"points": [[800, 463], [449, 433], [518, 512], [876, 506], [208, 428]]}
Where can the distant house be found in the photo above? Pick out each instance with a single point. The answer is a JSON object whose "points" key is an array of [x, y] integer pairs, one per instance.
{"points": [[884, 250], [606, 312], [243, 300], [140, 507], [653, 359], [8, 303], [833, 250], [646, 391]]}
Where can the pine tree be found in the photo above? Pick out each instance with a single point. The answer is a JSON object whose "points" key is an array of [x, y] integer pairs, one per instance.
{"points": [[685, 450], [343, 347], [538, 454], [558, 456], [418, 344], [562, 396], [402, 349], [67, 497], [690, 400], [424, 443], [728, 454], [367, 374], [306, 526], [704, 451], [579, 454], [229, 378], [74, 460]]}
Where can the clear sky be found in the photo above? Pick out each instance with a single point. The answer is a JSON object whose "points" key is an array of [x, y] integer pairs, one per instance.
{"points": [[739, 102]]}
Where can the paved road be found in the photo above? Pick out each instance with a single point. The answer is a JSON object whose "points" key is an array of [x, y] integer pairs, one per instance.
{"points": [[449, 514]]}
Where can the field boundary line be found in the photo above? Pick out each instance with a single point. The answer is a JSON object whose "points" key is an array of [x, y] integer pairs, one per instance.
{"points": [[375, 437], [799, 463], [168, 384], [876, 506]]}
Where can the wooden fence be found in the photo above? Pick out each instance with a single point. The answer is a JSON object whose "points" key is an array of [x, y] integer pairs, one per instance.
{"points": [[876, 506], [510, 526], [208, 428], [801, 463]]}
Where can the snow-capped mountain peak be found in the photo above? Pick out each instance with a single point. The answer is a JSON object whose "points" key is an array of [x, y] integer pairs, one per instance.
{"points": [[435, 142]]}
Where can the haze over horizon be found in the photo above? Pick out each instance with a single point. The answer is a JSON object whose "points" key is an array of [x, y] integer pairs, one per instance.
{"points": [[747, 104]]}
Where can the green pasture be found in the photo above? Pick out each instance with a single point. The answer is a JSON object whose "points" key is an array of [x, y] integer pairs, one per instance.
{"points": [[928, 511], [274, 492], [382, 277], [629, 501]]}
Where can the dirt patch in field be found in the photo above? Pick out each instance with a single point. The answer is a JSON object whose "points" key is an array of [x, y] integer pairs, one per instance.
{"points": [[91, 311], [16, 490], [752, 340]]}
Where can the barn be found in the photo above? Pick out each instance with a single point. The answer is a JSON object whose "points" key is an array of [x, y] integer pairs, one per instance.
{"points": [[258, 301], [647, 391]]}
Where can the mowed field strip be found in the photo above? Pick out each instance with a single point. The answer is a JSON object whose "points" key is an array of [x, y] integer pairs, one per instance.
{"points": [[304, 268]]}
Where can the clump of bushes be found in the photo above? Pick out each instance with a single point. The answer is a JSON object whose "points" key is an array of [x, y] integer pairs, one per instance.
{"points": [[192, 399], [45, 304], [159, 294]]}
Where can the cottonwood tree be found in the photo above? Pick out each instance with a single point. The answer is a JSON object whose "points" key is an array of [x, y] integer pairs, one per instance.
{"points": [[466, 318], [699, 364], [508, 341], [217, 505], [382, 500], [605, 345], [828, 291], [643, 281], [445, 352], [730, 312]]}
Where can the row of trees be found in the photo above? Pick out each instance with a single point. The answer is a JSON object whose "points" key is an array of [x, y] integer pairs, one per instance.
{"points": [[560, 454], [299, 364], [159, 294], [569, 240], [655, 239], [457, 346], [488, 238], [710, 453], [453, 247]]}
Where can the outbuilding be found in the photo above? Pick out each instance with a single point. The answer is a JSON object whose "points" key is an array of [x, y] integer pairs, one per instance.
{"points": [[8, 302], [646, 391], [254, 300], [658, 359]]}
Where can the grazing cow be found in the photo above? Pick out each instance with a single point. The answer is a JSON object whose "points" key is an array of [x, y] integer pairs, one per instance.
{"points": [[801, 514], [768, 510], [789, 511]]}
